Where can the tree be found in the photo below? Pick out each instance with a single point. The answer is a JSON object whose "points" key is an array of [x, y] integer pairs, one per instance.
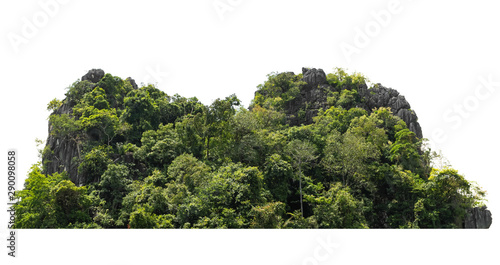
{"points": [[113, 186], [51, 201], [94, 164], [348, 155], [54, 104], [449, 195], [338, 208], [104, 121], [159, 148], [301, 153], [217, 124], [268, 215], [277, 176], [188, 170], [64, 126], [405, 151], [142, 219], [141, 112]]}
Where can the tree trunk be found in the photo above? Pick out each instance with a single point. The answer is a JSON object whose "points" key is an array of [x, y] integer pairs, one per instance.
{"points": [[300, 188]]}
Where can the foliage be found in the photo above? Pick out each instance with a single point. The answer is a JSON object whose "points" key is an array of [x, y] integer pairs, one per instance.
{"points": [[52, 201], [151, 160]]}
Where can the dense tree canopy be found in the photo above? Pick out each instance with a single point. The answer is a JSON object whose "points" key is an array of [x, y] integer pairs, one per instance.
{"points": [[150, 160]]}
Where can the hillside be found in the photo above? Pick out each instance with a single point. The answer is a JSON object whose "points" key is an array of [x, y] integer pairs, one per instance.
{"points": [[313, 150]]}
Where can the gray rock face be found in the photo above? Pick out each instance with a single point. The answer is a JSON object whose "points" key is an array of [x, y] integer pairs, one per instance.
{"points": [[380, 96], [478, 217], [65, 150], [94, 75], [132, 82], [314, 77], [313, 96]]}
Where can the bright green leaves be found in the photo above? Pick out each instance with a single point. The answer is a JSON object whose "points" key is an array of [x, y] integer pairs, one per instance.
{"points": [[449, 195], [189, 171], [113, 186], [278, 174], [77, 91], [63, 126], [101, 124], [141, 112], [269, 215], [278, 90], [94, 164], [301, 153], [349, 156], [337, 119], [405, 151], [338, 208], [217, 133], [142, 219], [159, 147], [113, 86], [97, 98], [149, 160], [51, 201], [341, 79], [54, 104]]}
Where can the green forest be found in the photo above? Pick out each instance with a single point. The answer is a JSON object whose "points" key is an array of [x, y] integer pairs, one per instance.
{"points": [[137, 157]]}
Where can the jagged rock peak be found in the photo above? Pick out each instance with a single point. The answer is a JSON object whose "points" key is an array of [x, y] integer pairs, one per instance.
{"points": [[313, 76], [380, 96], [132, 82], [94, 75], [478, 217]]}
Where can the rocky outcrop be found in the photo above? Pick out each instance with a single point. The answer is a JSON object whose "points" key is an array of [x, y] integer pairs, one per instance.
{"points": [[478, 217], [313, 77], [65, 152], [132, 82], [94, 75], [380, 96], [313, 97]]}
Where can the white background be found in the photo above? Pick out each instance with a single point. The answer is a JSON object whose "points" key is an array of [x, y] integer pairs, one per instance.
{"points": [[433, 53]]}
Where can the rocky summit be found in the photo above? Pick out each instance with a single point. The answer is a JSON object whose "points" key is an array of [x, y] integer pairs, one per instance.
{"points": [[314, 94]]}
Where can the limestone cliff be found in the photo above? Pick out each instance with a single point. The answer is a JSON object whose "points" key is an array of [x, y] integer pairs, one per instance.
{"points": [[313, 94], [478, 217], [63, 153]]}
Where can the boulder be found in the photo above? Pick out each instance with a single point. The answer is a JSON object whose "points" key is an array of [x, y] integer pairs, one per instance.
{"points": [[94, 75], [478, 217], [313, 77]]}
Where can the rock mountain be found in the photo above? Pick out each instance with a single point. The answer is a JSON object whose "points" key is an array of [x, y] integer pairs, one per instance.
{"points": [[312, 94]]}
